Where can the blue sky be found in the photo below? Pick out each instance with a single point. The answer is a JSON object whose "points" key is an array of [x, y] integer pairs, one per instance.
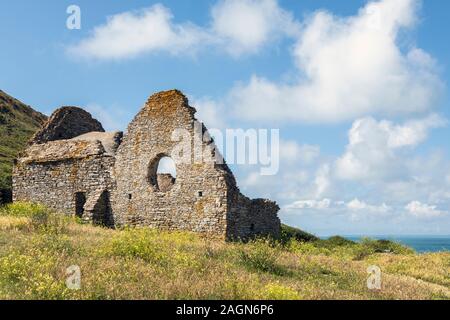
{"points": [[358, 90]]}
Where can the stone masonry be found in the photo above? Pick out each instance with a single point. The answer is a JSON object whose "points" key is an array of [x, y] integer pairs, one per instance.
{"points": [[111, 179]]}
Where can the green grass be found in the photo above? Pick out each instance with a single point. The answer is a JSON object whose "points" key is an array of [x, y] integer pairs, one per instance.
{"points": [[288, 233], [37, 246]]}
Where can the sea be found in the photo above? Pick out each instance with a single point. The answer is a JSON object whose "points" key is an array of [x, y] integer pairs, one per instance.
{"points": [[422, 244]]}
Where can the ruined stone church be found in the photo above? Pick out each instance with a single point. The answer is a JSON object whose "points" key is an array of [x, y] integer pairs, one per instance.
{"points": [[109, 178]]}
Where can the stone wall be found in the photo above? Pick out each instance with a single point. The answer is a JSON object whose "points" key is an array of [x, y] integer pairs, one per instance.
{"points": [[249, 218], [165, 182], [196, 201], [112, 179], [67, 123], [55, 184], [204, 197]]}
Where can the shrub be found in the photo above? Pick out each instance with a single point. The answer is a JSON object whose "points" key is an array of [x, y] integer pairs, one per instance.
{"points": [[22, 209], [334, 242], [137, 243], [385, 246], [308, 248], [41, 218], [48, 223], [29, 276], [369, 247], [167, 250], [288, 233], [259, 255]]}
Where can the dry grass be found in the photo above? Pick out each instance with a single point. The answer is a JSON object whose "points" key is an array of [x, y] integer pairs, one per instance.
{"points": [[149, 264]]}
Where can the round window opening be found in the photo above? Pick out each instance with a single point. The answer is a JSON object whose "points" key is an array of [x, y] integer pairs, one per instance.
{"points": [[162, 173]]}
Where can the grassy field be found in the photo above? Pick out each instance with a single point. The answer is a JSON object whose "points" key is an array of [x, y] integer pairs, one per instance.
{"points": [[36, 248]]}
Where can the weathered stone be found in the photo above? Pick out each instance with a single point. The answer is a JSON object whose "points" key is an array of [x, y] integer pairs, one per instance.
{"points": [[165, 182], [111, 180], [67, 123]]}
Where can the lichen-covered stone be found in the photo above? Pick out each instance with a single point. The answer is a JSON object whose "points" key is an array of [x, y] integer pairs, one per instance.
{"points": [[67, 123], [165, 182], [109, 179]]}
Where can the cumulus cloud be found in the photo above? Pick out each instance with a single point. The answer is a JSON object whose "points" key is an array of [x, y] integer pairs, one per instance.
{"points": [[357, 205], [359, 210], [132, 33], [112, 118], [309, 204], [380, 166], [209, 112], [295, 153], [296, 161], [347, 68], [354, 210], [374, 147], [422, 210], [239, 27], [244, 26], [322, 180]]}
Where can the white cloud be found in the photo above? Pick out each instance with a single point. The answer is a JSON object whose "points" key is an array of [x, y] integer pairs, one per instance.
{"points": [[372, 152], [322, 180], [111, 118], [240, 27], [132, 33], [412, 132], [422, 210], [357, 205], [347, 68], [294, 153], [309, 204], [300, 175], [354, 210], [244, 26], [209, 112], [360, 210]]}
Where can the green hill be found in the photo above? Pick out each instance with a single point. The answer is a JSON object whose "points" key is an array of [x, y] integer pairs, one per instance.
{"points": [[18, 122]]}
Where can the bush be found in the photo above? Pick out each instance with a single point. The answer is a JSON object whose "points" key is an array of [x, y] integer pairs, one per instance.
{"points": [[259, 255], [22, 209], [137, 243], [334, 242], [307, 248], [385, 246], [166, 250], [48, 223], [41, 218], [369, 247], [288, 233], [28, 276]]}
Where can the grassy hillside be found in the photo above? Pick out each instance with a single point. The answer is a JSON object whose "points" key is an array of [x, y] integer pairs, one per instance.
{"points": [[18, 123], [37, 247]]}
